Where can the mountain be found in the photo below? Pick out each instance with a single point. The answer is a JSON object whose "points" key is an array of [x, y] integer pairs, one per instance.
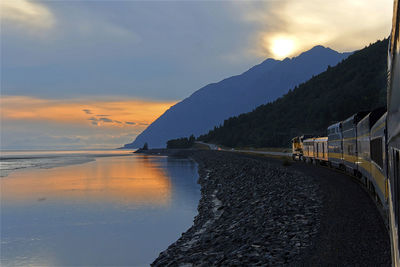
{"points": [[356, 84], [210, 105]]}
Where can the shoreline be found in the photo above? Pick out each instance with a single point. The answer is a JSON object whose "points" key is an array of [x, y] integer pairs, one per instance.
{"points": [[255, 211], [48, 159]]}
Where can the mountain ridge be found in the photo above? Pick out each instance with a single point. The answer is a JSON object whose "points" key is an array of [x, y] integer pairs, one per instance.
{"points": [[358, 83], [212, 104]]}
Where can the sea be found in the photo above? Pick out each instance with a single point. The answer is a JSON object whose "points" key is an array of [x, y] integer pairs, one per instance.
{"points": [[92, 208]]}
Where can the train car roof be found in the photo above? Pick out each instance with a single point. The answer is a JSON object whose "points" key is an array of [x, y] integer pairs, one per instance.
{"points": [[335, 125], [375, 115], [379, 123], [357, 117]]}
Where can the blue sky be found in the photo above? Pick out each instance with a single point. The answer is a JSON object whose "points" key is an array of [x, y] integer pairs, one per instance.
{"points": [[163, 50], [152, 52]]}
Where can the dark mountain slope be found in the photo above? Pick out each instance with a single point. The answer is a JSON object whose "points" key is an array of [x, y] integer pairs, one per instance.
{"points": [[358, 83], [212, 104]]}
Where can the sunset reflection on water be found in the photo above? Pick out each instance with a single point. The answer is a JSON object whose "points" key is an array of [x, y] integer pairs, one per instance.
{"points": [[115, 179], [115, 211]]}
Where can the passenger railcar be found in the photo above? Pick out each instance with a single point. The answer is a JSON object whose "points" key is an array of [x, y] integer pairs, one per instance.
{"points": [[315, 149], [363, 145], [378, 181], [308, 151], [321, 149], [335, 145], [349, 132], [393, 133]]}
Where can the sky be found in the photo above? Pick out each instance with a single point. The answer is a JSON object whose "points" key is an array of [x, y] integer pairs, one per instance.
{"points": [[93, 74]]}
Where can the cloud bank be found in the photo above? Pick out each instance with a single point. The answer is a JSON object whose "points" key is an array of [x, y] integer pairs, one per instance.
{"points": [[27, 14], [79, 123], [344, 25]]}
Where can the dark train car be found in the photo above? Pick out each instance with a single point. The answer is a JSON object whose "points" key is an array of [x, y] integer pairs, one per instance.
{"points": [[308, 149], [363, 144], [378, 179], [316, 149], [321, 149], [335, 145], [393, 133], [349, 130]]}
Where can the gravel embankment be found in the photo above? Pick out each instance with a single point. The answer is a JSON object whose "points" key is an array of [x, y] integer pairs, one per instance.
{"points": [[254, 211]]}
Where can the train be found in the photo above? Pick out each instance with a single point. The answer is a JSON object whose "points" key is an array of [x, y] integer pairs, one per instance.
{"points": [[367, 145]]}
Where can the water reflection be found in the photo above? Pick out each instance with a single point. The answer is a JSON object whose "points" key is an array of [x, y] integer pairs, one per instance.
{"points": [[113, 179], [120, 211]]}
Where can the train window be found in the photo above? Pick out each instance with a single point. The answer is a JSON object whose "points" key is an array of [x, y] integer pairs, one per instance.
{"points": [[376, 151]]}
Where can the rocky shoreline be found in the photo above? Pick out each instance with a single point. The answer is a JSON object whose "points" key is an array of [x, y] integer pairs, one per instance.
{"points": [[254, 211]]}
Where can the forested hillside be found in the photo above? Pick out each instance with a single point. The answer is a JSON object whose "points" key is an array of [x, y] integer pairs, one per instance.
{"points": [[357, 83], [211, 105]]}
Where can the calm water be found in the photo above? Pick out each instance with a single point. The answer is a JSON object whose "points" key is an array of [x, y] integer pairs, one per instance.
{"points": [[112, 209]]}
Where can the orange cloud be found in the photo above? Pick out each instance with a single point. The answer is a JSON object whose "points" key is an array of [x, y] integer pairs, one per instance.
{"points": [[94, 113]]}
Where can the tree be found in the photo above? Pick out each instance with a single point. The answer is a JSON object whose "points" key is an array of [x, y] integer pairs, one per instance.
{"points": [[181, 142], [191, 139], [145, 146]]}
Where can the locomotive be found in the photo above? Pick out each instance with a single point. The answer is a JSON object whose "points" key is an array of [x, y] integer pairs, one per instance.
{"points": [[367, 145]]}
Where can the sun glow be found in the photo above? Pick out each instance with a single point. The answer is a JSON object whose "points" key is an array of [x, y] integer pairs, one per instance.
{"points": [[27, 14], [282, 47]]}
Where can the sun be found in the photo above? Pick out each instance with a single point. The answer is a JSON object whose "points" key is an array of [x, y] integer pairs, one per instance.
{"points": [[282, 47]]}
